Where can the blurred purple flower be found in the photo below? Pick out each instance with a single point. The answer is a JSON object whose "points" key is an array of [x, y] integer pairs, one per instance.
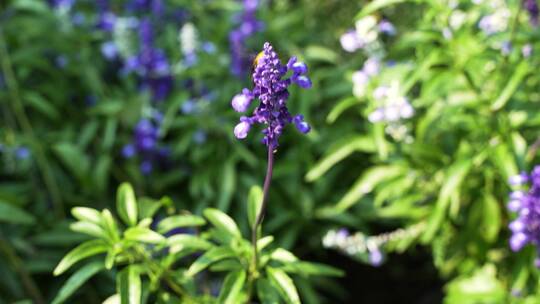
{"points": [[109, 50], [532, 7], [526, 227], [22, 153], [248, 26]]}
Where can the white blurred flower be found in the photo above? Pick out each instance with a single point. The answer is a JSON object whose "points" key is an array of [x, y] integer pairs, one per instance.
{"points": [[457, 19], [349, 42], [360, 81], [188, 39], [527, 50], [367, 30], [496, 22], [372, 66]]}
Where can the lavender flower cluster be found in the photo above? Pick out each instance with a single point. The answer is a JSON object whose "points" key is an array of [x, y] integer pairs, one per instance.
{"points": [[532, 7], [526, 227], [151, 64], [145, 144], [248, 26], [366, 33], [271, 89]]}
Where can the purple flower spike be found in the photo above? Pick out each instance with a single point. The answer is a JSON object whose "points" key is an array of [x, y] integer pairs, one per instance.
{"points": [[271, 89], [375, 257], [526, 227]]}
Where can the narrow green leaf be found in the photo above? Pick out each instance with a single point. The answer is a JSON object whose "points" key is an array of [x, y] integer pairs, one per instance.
{"points": [[284, 284], [228, 184], [77, 280], [130, 285], [211, 256], [232, 287], [144, 235], [266, 292], [511, 86], [180, 221], [254, 204], [88, 228], [109, 224], [83, 251], [491, 221], [339, 108], [341, 151], [454, 177], [126, 204], [86, 214], [309, 268], [365, 184], [15, 215], [222, 222], [180, 242]]}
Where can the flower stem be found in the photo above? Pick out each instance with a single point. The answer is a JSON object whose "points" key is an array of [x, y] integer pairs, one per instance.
{"points": [[260, 215]]}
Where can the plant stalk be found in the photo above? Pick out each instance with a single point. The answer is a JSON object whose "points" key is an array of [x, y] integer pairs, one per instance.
{"points": [[260, 215]]}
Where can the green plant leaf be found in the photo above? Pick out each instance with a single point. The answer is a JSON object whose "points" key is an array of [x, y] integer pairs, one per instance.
{"points": [[129, 286], [511, 86], [77, 280], [454, 177], [144, 235], [88, 228], [126, 204], [211, 256], [180, 221], [266, 292], [309, 268], [15, 215], [109, 224], [284, 284], [222, 222], [83, 251], [254, 203], [180, 242], [232, 287], [341, 151], [87, 214]]}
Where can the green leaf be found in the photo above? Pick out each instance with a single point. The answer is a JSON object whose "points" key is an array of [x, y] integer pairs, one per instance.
{"points": [[180, 242], [126, 204], [284, 284], [88, 228], [114, 299], [83, 251], [148, 207], [321, 53], [266, 292], [211, 256], [254, 204], [144, 235], [339, 108], [232, 287], [481, 287], [180, 221], [341, 151], [309, 268], [454, 177], [73, 159], [222, 222], [491, 220], [130, 285], [86, 214], [228, 185], [15, 215], [77, 280], [366, 183], [511, 86], [109, 224]]}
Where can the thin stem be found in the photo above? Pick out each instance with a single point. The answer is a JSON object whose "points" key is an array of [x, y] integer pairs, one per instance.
{"points": [[260, 216]]}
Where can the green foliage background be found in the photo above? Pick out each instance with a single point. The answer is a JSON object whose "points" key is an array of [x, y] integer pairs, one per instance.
{"points": [[475, 125]]}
